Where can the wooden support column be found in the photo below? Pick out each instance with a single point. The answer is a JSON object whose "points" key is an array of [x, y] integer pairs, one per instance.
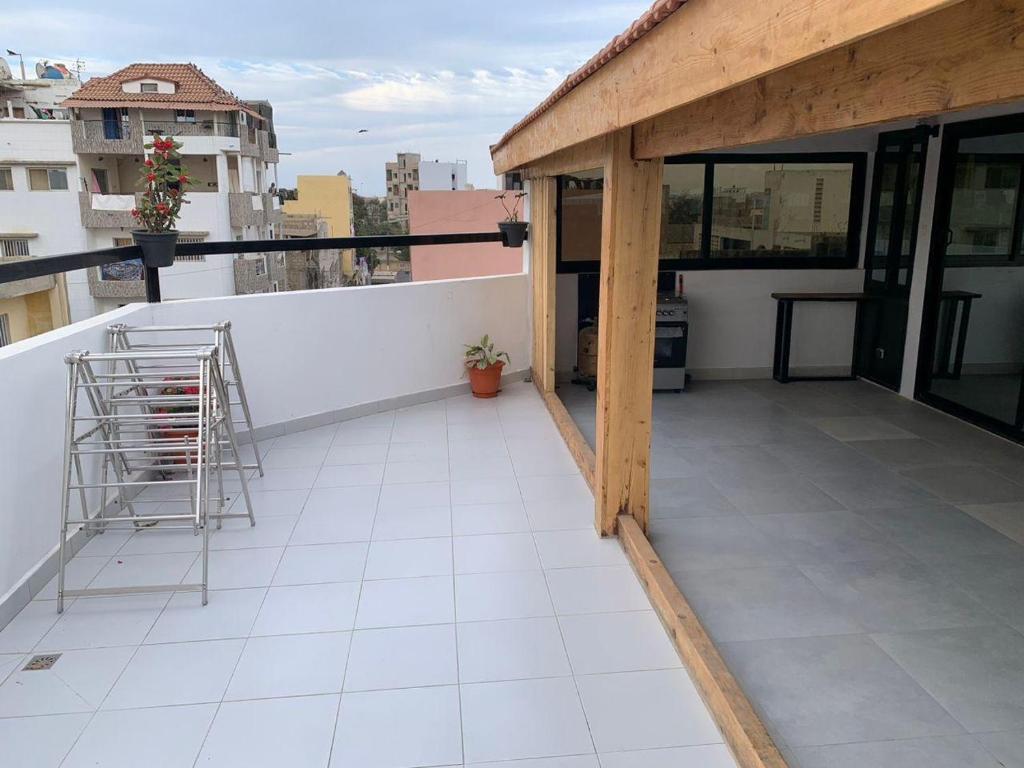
{"points": [[630, 231], [543, 229]]}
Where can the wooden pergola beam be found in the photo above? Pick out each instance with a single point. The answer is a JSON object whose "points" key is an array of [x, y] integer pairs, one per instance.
{"points": [[630, 233], [965, 56], [705, 47], [543, 233]]}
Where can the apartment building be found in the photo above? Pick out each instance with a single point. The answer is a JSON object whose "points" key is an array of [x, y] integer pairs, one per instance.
{"points": [[36, 160], [402, 176], [329, 199], [315, 268], [439, 176]]}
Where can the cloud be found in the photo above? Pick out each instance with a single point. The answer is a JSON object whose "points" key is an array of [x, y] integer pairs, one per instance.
{"points": [[415, 94]]}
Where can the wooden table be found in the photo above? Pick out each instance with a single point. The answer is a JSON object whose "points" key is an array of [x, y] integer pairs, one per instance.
{"points": [[784, 332]]}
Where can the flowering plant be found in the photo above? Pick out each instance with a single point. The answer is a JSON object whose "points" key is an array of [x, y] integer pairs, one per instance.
{"points": [[163, 182]]}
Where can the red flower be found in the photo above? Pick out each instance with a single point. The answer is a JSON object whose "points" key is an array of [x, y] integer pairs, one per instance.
{"points": [[162, 207], [149, 163], [183, 179], [135, 213], [150, 177]]}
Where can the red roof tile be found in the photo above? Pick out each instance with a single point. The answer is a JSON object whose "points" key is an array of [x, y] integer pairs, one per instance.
{"points": [[193, 89], [654, 15]]}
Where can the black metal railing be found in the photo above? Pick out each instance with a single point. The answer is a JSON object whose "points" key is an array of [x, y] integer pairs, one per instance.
{"points": [[54, 265]]}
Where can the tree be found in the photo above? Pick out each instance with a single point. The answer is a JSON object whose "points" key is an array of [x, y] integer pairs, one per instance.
{"points": [[370, 217]]}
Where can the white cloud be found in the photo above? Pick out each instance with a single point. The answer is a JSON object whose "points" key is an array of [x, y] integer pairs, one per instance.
{"points": [[415, 94]]}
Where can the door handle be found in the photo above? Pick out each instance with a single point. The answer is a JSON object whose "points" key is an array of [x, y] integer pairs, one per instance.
{"points": [[949, 237]]}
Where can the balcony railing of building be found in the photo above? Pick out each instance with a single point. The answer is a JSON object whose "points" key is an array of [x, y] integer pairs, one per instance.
{"points": [[54, 265], [192, 128]]}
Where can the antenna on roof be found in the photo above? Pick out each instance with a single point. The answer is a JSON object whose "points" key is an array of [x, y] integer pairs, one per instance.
{"points": [[78, 67]]}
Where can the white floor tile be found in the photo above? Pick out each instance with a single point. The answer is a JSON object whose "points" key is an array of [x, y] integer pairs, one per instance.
{"points": [[318, 437], [495, 552], [307, 608], [140, 570], [417, 450], [405, 433], [272, 503], [511, 650], [39, 742], [708, 756], [427, 471], [10, 663], [77, 682], [473, 519], [270, 733], [409, 495], [409, 558], [356, 454], [523, 719], [574, 761], [487, 491], [284, 479], [565, 515], [358, 498], [176, 673], [239, 568], [578, 549], [406, 602], [104, 544], [98, 622], [488, 596], [80, 571], [596, 590], [321, 563], [228, 613], [362, 436], [541, 457], [290, 665], [332, 527], [238, 533], [645, 710], [478, 429], [629, 641], [402, 657], [159, 540], [466, 448], [398, 729], [161, 737], [562, 488], [347, 475], [483, 467], [412, 523], [27, 628], [280, 457]]}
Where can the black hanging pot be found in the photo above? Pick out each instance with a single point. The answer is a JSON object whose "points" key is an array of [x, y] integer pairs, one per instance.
{"points": [[513, 233], [157, 247]]}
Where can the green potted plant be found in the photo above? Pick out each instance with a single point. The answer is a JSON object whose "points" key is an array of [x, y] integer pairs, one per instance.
{"points": [[513, 230], [163, 182], [484, 366]]}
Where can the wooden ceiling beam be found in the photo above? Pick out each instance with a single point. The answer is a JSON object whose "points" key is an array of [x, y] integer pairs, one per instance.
{"points": [[705, 47], [969, 55]]}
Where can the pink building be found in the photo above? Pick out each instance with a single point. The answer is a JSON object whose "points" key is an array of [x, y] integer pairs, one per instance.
{"points": [[473, 210]]}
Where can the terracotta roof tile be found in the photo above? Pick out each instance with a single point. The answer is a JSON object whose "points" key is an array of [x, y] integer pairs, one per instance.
{"points": [[654, 15], [193, 89]]}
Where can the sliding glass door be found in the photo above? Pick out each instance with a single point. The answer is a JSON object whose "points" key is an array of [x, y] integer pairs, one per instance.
{"points": [[973, 361]]}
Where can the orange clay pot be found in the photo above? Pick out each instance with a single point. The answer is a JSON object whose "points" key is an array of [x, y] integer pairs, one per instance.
{"points": [[486, 382]]}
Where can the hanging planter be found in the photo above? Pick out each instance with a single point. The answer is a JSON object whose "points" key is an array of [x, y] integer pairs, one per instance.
{"points": [[513, 231], [163, 183]]}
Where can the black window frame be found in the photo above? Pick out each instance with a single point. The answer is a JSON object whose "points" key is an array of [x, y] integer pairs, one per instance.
{"points": [[850, 260]]}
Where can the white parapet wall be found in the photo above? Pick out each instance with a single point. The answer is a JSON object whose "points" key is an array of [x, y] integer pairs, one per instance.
{"points": [[306, 357]]}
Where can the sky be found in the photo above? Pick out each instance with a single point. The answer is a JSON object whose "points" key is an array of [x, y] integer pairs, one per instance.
{"points": [[443, 78]]}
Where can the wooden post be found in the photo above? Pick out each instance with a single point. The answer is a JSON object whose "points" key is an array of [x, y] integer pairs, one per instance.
{"points": [[630, 233], [543, 230]]}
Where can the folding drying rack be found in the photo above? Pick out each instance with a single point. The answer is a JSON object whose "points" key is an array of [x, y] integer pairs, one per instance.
{"points": [[158, 417]]}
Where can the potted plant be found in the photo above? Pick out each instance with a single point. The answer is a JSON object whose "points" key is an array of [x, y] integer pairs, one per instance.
{"points": [[513, 230], [163, 182], [178, 427], [484, 366]]}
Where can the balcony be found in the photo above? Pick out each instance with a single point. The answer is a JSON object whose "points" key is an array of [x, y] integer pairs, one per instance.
{"points": [[124, 137], [268, 146], [18, 288], [272, 208], [246, 209], [249, 141], [107, 211]]}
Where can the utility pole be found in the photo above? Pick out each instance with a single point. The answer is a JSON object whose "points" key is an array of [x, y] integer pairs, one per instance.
{"points": [[21, 59]]}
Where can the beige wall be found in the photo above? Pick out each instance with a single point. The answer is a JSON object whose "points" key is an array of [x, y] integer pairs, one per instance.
{"points": [[330, 198]]}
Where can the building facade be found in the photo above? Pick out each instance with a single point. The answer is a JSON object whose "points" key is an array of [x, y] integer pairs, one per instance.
{"points": [[329, 199], [228, 150], [402, 176], [438, 176]]}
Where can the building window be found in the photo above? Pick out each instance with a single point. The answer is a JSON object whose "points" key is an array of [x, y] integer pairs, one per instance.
{"points": [[43, 179], [733, 212], [184, 239], [148, 87], [6, 180], [14, 248], [184, 115], [5, 331]]}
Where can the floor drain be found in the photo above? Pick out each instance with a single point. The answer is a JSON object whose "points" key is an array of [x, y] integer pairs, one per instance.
{"points": [[44, 661]]}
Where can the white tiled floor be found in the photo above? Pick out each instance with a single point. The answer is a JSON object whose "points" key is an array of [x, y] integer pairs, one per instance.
{"points": [[422, 588]]}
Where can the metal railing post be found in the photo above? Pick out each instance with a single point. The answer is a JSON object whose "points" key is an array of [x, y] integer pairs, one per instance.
{"points": [[152, 284]]}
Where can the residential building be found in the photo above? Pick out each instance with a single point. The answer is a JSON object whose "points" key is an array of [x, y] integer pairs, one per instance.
{"points": [[476, 210], [36, 161], [227, 150], [402, 176], [305, 270], [329, 199], [437, 176]]}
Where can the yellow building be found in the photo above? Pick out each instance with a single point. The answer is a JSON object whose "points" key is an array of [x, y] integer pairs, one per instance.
{"points": [[330, 198], [33, 306]]}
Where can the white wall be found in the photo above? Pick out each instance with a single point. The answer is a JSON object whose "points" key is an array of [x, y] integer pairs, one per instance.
{"points": [[302, 354], [437, 176]]}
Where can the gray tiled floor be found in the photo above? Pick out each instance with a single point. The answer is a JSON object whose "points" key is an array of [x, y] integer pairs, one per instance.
{"points": [[857, 557]]}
